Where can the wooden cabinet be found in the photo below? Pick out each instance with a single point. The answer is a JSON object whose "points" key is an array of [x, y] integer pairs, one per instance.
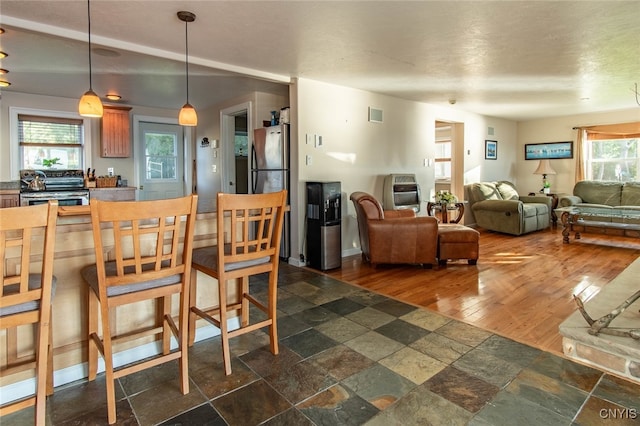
{"points": [[9, 199], [116, 132]]}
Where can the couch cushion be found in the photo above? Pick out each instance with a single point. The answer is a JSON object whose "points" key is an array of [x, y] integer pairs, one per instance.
{"points": [[631, 194], [507, 190], [595, 192], [485, 191]]}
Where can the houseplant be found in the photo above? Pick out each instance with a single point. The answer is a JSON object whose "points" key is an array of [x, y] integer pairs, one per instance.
{"points": [[445, 197]]}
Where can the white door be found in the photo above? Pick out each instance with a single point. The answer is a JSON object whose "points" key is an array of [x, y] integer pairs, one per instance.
{"points": [[161, 161]]}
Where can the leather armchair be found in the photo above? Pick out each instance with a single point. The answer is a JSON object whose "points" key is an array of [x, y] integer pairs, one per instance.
{"points": [[394, 236]]}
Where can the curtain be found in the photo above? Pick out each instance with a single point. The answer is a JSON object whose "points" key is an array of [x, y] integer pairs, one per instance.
{"points": [[613, 131], [580, 166]]}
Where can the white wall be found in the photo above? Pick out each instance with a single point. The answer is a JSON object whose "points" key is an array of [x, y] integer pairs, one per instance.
{"points": [[559, 129], [360, 153]]}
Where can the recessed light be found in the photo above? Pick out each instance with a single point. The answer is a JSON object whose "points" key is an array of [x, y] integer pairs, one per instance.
{"points": [[3, 71], [113, 97], [1, 30], [3, 55], [4, 83]]}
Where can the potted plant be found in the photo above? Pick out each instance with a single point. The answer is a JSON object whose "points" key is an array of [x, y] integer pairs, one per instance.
{"points": [[546, 187], [445, 197], [49, 162]]}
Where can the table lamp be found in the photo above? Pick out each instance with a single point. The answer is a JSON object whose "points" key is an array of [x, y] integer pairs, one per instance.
{"points": [[544, 169]]}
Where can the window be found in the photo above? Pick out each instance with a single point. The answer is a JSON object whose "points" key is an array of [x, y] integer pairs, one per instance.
{"points": [[161, 155], [613, 159], [443, 153], [612, 153], [50, 142]]}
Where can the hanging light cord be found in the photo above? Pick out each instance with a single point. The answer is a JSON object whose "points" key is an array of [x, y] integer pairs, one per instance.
{"points": [[89, 20], [186, 49]]}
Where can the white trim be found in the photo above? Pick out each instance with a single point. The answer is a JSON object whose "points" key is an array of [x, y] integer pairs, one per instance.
{"points": [[227, 153], [76, 372], [14, 151]]}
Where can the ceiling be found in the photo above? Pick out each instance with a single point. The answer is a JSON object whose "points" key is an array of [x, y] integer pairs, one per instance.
{"points": [[510, 59]]}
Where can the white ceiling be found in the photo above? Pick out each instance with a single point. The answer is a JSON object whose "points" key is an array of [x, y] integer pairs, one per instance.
{"points": [[517, 60]]}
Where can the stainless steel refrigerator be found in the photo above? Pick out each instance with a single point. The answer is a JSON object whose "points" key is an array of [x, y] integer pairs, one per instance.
{"points": [[270, 169]]}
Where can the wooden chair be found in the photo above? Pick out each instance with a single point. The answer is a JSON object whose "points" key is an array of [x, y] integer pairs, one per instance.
{"points": [[138, 258], [249, 232], [26, 296]]}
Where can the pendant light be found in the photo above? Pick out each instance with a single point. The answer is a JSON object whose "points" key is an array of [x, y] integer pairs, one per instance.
{"points": [[188, 116], [90, 104]]}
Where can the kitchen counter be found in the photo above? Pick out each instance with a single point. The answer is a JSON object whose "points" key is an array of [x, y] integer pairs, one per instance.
{"points": [[121, 193]]}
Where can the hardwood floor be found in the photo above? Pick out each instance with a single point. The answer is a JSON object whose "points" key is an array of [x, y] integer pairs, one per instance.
{"points": [[521, 288]]}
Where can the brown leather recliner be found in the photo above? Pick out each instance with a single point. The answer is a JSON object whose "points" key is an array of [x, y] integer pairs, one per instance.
{"points": [[394, 236]]}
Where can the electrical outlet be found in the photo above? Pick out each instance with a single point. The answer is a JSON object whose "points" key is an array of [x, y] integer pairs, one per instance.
{"points": [[309, 160], [214, 168], [110, 171]]}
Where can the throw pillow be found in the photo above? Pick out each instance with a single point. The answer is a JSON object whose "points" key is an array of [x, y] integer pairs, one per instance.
{"points": [[507, 190]]}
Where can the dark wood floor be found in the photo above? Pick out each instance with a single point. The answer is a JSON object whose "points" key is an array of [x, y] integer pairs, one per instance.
{"points": [[522, 287]]}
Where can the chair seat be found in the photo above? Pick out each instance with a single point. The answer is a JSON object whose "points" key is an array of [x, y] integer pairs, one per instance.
{"points": [[208, 257], [90, 275], [35, 280]]}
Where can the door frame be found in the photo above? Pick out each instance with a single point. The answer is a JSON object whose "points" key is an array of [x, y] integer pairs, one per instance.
{"points": [[227, 143], [188, 134]]}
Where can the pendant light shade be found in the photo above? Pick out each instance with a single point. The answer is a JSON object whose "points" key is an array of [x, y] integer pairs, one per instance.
{"points": [[188, 115], [90, 104]]}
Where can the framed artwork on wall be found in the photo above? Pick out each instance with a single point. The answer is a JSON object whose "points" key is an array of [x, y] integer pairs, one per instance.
{"points": [[548, 151], [490, 150]]}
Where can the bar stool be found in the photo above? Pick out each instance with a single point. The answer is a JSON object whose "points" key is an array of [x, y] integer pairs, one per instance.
{"points": [[248, 245], [26, 297], [141, 241]]}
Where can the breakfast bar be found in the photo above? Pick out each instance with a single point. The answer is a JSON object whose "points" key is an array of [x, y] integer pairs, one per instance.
{"points": [[74, 249]]}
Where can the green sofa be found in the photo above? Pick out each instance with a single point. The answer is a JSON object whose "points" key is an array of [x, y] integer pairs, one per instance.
{"points": [[603, 194], [497, 206]]}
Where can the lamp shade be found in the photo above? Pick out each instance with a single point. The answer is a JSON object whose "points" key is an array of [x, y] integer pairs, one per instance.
{"points": [[188, 116], [544, 168], [90, 105]]}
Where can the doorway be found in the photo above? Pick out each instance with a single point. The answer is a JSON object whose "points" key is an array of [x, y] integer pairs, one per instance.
{"points": [[236, 140]]}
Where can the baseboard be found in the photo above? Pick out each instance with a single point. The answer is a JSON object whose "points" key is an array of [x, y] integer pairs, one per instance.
{"points": [[25, 388]]}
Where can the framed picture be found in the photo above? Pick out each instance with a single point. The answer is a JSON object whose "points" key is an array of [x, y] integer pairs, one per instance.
{"points": [[548, 151], [491, 150]]}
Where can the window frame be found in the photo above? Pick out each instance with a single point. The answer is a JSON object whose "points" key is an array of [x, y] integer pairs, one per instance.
{"points": [[14, 145]]}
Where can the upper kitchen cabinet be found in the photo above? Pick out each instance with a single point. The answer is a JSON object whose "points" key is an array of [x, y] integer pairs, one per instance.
{"points": [[116, 132]]}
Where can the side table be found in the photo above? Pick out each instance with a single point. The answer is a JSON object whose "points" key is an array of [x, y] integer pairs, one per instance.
{"points": [[444, 211]]}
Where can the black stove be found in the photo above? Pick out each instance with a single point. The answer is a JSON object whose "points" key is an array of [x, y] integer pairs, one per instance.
{"points": [[54, 179]]}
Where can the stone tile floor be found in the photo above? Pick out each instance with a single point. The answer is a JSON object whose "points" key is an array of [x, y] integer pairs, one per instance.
{"points": [[352, 357]]}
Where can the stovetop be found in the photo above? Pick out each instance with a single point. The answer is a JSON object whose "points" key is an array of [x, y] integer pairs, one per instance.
{"points": [[29, 174], [54, 179]]}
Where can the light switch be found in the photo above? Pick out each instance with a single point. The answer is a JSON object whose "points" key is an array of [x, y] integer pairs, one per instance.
{"points": [[308, 160]]}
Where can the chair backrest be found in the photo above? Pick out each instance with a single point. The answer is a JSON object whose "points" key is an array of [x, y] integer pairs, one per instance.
{"points": [[142, 240], [26, 233], [253, 228], [367, 208]]}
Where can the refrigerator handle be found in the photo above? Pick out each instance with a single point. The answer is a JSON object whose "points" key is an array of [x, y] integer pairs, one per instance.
{"points": [[254, 179]]}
